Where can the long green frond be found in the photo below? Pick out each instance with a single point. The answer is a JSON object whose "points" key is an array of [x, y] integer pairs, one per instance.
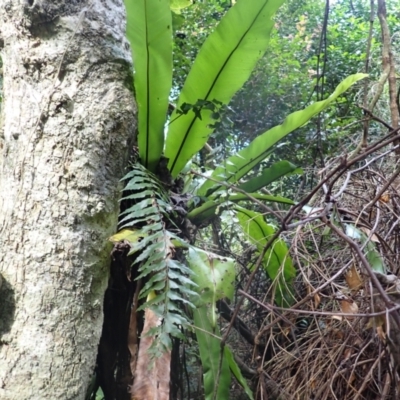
{"points": [[236, 166], [149, 30], [152, 250], [277, 261], [207, 210], [222, 66], [215, 278], [216, 372]]}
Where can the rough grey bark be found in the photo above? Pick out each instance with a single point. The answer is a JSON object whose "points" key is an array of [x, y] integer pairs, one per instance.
{"points": [[66, 126]]}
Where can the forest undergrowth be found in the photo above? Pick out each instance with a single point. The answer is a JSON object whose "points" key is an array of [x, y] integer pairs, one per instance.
{"points": [[340, 336]]}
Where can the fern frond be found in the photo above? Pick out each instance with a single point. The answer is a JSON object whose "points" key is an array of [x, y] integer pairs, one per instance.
{"points": [[167, 281]]}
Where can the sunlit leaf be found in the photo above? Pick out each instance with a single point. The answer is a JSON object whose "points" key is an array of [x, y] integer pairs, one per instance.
{"points": [[260, 147], [178, 5], [222, 66], [130, 235]]}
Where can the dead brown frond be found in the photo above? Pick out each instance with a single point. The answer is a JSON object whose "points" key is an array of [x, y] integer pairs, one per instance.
{"points": [[152, 374]]}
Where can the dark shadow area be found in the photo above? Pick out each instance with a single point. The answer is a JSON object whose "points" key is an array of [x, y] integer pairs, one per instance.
{"points": [[113, 369], [7, 308], [42, 26]]}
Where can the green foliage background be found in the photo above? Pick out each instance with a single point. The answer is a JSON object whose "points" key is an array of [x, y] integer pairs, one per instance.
{"points": [[256, 147]]}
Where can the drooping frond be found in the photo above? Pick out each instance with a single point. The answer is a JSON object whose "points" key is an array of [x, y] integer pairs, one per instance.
{"points": [[165, 278], [151, 383]]}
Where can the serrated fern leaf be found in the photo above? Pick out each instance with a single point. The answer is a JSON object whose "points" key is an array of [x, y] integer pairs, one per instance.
{"points": [[167, 282]]}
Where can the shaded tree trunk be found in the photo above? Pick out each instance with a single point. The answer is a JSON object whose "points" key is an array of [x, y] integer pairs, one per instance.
{"points": [[67, 122], [388, 66]]}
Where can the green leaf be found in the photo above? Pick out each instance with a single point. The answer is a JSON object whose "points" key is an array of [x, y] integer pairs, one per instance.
{"points": [[208, 209], [277, 262], [222, 66], [236, 371], [214, 275], [168, 283], [372, 255], [210, 355], [140, 213], [236, 166], [178, 5], [130, 235], [269, 175], [139, 206], [149, 31], [139, 195]]}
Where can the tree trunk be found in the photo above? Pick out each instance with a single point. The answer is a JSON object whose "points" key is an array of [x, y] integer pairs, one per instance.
{"points": [[67, 123], [388, 65]]}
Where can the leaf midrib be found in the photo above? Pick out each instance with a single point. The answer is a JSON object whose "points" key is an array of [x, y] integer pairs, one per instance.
{"points": [[212, 86]]}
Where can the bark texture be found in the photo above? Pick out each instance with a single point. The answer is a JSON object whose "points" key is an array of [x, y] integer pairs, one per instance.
{"points": [[388, 64], [67, 122]]}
